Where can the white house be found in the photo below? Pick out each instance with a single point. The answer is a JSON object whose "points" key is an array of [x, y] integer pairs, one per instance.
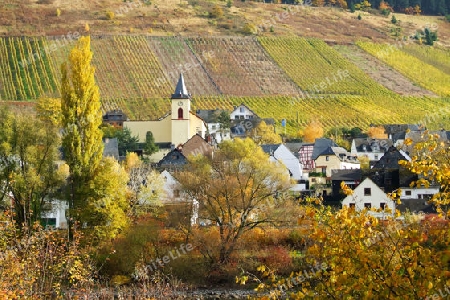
{"points": [[373, 149], [368, 195], [280, 152], [418, 193], [55, 216], [173, 194], [242, 112]]}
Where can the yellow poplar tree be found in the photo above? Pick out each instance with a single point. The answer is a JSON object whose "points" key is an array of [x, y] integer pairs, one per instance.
{"points": [[83, 148]]}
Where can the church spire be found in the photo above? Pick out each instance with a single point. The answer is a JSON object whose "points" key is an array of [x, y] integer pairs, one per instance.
{"points": [[181, 91]]}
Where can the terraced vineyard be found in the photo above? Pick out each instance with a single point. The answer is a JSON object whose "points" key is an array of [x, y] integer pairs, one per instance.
{"points": [[137, 74], [25, 70], [425, 75], [175, 57], [381, 72], [319, 69], [240, 66], [437, 57]]}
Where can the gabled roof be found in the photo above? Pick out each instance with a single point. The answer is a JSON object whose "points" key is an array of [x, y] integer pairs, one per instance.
{"points": [[372, 145], [327, 151], [180, 90], [390, 159], [320, 146], [174, 158], [242, 104], [346, 175], [270, 148]]}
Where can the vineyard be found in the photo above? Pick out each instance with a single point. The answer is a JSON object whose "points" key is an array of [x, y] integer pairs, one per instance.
{"points": [[437, 57], [25, 70], [424, 74], [240, 66], [138, 73], [319, 69]]}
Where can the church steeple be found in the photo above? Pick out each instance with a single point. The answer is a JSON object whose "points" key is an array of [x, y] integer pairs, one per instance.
{"points": [[180, 90]]}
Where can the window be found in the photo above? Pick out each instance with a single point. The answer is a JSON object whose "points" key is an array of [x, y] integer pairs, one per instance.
{"points": [[352, 205], [176, 193], [376, 156], [236, 117], [367, 205], [382, 205], [367, 192], [213, 127], [408, 193], [327, 158], [180, 113], [241, 109]]}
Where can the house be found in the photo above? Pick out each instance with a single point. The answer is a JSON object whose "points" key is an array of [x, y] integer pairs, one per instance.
{"points": [[396, 132], [178, 204], [368, 195], [173, 160], [279, 152], [335, 158], [373, 149], [115, 118], [196, 145], [177, 126], [305, 156], [388, 174], [417, 136], [215, 129], [242, 112], [111, 148], [352, 178], [54, 214]]}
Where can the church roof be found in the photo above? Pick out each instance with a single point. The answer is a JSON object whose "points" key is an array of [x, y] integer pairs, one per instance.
{"points": [[180, 90]]}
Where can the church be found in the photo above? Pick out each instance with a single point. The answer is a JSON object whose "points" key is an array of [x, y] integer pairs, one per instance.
{"points": [[175, 128]]}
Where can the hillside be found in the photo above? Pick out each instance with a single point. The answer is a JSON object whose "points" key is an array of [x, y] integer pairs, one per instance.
{"points": [[341, 71]]}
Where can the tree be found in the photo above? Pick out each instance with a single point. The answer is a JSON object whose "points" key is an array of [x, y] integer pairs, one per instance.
{"points": [[264, 134], [28, 155], [126, 142], [429, 161], [150, 147], [234, 189], [430, 37], [145, 187], [96, 187], [224, 122], [377, 132], [313, 131]]}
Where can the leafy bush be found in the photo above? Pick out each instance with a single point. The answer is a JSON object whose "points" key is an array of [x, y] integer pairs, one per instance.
{"points": [[393, 19], [109, 15], [216, 12]]}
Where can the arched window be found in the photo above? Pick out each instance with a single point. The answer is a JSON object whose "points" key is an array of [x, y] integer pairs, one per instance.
{"points": [[180, 113]]}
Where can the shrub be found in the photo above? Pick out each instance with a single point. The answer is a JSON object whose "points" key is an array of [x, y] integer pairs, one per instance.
{"points": [[359, 17], [109, 15], [393, 19], [229, 3], [447, 17], [216, 12], [249, 28]]}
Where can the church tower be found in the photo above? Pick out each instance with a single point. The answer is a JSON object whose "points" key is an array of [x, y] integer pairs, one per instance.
{"points": [[181, 106]]}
